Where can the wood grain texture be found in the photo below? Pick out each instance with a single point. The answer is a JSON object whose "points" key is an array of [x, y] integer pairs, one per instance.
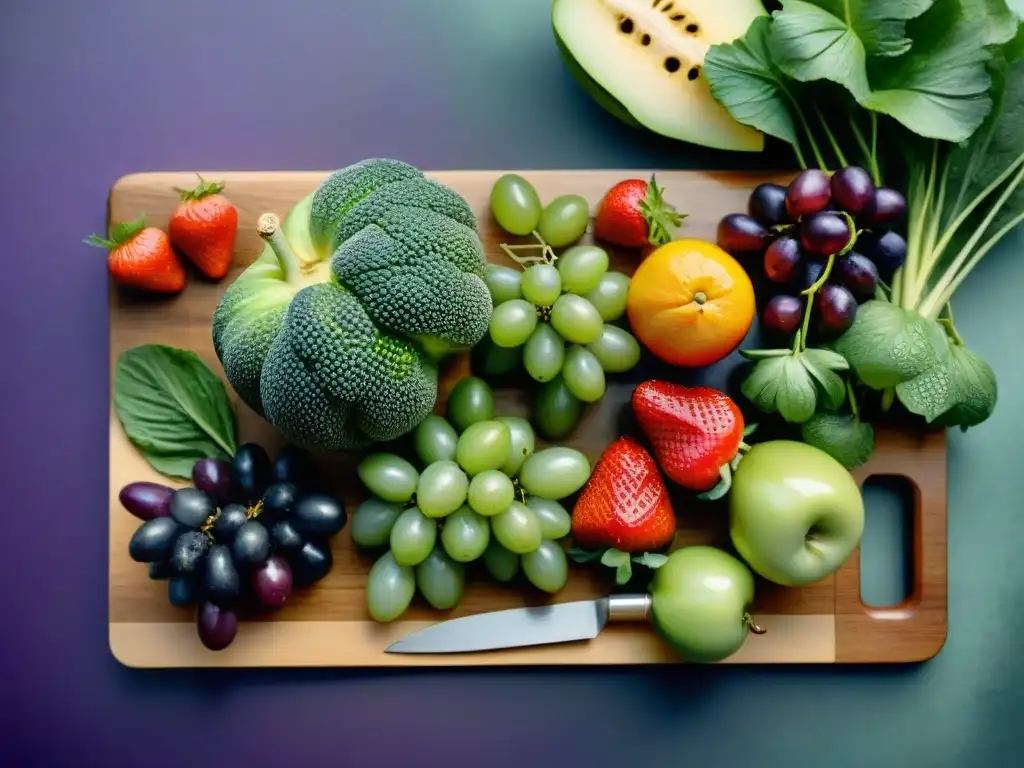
{"points": [[328, 625]]}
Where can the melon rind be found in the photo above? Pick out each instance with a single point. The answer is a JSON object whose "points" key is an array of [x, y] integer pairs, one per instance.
{"points": [[627, 83]]}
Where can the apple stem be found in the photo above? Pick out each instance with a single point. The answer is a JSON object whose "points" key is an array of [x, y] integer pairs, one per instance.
{"points": [[754, 628]]}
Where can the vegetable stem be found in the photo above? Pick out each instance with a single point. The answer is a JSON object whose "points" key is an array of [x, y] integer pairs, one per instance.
{"points": [[831, 138], [268, 227], [922, 253], [810, 138], [875, 172], [957, 272]]}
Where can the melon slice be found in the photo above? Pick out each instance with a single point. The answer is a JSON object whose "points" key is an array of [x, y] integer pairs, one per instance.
{"points": [[642, 60]]}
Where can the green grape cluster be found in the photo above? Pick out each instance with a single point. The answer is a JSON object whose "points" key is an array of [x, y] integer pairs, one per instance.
{"points": [[481, 492], [557, 315]]}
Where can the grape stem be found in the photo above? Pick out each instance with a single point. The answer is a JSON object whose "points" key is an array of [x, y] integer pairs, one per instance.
{"points": [[547, 255], [754, 628], [801, 343]]}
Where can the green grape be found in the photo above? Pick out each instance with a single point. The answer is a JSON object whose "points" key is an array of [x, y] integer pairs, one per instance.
{"points": [[440, 580], [583, 374], [581, 268], [554, 473], [617, 350], [390, 588], [564, 220], [499, 562], [547, 567], [491, 360], [435, 439], [484, 445], [503, 283], [465, 535], [470, 401], [491, 492], [513, 322], [523, 442], [556, 411], [515, 204], [542, 284], [555, 521], [575, 319], [517, 529], [442, 489], [388, 476], [372, 522], [610, 296], [543, 353], [412, 537]]}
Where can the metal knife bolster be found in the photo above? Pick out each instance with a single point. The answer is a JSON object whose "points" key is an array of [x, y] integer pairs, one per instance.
{"points": [[628, 607]]}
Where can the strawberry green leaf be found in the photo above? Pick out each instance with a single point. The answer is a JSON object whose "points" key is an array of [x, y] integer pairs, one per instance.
{"points": [[651, 560], [613, 558], [126, 230], [721, 487], [749, 430], [586, 555], [201, 190], [660, 215]]}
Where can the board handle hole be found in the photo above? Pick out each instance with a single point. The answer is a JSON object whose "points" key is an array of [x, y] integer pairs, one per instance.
{"points": [[887, 546]]}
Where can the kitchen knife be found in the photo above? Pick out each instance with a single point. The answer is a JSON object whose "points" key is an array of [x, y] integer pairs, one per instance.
{"points": [[521, 627]]}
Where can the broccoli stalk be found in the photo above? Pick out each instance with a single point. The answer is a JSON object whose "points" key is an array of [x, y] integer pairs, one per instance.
{"points": [[295, 268]]}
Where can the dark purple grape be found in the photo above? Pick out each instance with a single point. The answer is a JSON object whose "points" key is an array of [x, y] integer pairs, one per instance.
{"points": [[858, 273], [182, 591], [279, 500], [272, 582], [809, 192], [154, 540], [887, 208], [742, 233], [295, 465], [823, 234], [311, 564], [231, 518], [221, 582], [189, 550], [213, 476], [836, 309], [252, 472], [216, 626], [146, 500], [251, 545], [782, 259], [767, 204], [284, 538], [783, 314], [813, 270], [888, 250], [160, 570], [319, 515], [191, 507], [853, 190]]}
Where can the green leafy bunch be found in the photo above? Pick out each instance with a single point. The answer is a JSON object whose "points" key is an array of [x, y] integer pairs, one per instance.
{"points": [[928, 96]]}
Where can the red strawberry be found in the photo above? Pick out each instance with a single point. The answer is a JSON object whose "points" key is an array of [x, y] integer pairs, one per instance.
{"points": [[203, 227], [634, 213], [696, 432], [141, 257], [624, 509]]}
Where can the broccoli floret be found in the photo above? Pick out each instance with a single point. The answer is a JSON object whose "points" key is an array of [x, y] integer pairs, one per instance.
{"points": [[343, 189], [340, 352]]}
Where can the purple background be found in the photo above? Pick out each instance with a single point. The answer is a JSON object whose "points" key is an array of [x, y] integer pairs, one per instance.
{"points": [[98, 88]]}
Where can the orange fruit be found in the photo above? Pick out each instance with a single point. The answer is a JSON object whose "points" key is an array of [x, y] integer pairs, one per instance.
{"points": [[690, 303]]}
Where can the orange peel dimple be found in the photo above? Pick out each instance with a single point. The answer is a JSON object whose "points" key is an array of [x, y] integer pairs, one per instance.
{"points": [[690, 303]]}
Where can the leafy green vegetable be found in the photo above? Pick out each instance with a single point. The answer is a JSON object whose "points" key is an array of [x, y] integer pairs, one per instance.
{"points": [[173, 408], [843, 436], [822, 364], [792, 383], [974, 391]]}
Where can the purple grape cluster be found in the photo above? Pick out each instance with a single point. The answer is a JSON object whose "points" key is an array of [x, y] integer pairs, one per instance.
{"points": [[795, 230], [245, 533]]}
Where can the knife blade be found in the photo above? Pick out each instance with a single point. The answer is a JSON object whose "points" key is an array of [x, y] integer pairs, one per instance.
{"points": [[522, 627]]}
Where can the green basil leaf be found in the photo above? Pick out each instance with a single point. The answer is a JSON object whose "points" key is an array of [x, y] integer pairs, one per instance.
{"points": [[832, 39], [173, 408], [797, 398], [830, 383], [887, 345], [844, 437], [941, 88], [743, 79], [974, 390]]}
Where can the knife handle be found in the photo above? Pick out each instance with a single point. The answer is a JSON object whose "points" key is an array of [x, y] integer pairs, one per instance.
{"points": [[628, 607]]}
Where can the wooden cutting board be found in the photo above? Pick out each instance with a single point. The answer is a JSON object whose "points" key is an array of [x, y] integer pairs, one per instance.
{"points": [[327, 625]]}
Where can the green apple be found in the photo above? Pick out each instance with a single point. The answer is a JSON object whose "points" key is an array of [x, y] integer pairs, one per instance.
{"points": [[795, 513], [701, 599]]}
